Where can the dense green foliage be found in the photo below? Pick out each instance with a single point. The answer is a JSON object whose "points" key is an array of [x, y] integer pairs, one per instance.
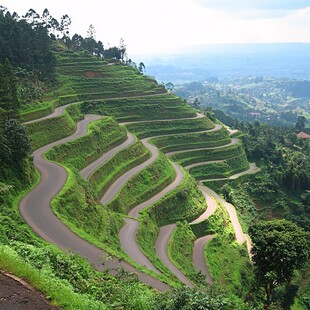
{"points": [[26, 45], [229, 265], [49, 130], [279, 248], [180, 249]]}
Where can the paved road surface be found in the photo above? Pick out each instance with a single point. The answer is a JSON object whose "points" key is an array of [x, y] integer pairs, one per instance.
{"points": [[161, 246], [35, 209], [199, 258], [87, 171]]}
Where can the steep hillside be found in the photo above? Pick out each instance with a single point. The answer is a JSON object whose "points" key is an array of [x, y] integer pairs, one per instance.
{"points": [[117, 157]]}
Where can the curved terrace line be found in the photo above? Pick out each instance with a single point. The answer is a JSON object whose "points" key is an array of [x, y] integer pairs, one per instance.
{"points": [[111, 192], [198, 115], [199, 257], [233, 142], [161, 247], [252, 169], [215, 128], [36, 211], [92, 167], [232, 214], [211, 206], [60, 110], [91, 252], [128, 232], [203, 163]]}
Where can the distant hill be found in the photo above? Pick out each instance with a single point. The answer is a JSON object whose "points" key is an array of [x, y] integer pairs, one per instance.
{"points": [[290, 60]]}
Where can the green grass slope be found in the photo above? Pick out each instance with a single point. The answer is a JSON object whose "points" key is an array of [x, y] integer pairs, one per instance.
{"points": [[102, 135]]}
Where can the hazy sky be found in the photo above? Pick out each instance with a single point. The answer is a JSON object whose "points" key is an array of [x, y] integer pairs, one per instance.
{"points": [[169, 26]]}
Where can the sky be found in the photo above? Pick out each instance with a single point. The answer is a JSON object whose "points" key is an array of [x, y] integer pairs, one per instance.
{"points": [[163, 27]]}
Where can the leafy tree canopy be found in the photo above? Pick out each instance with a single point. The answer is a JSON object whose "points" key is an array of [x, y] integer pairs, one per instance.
{"points": [[280, 247]]}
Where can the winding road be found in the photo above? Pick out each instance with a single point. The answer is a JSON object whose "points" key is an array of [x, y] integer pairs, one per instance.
{"points": [[199, 258], [161, 247], [35, 207], [91, 168], [36, 211]]}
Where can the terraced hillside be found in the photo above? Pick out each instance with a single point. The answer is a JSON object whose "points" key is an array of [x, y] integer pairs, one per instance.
{"points": [[118, 158]]}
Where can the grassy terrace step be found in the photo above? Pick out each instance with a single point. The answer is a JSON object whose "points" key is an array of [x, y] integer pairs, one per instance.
{"points": [[180, 250], [102, 135], [192, 157], [148, 129], [139, 109], [191, 140], [227, 261], [221, 169], [104, 71], [144, 185], [39, 110], [228, 264], [185, 202], [120, 163], [135, 80], [76, 206], [49, 130], [165, 99]]}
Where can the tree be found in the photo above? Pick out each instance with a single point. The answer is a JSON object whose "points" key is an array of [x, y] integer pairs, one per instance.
{"points": [[279, 248], [141, 67], [91, 32], [169, 86], [301, 123], [16, 139], [65, 23], [122, 48], [8, 89], [196, 103]]}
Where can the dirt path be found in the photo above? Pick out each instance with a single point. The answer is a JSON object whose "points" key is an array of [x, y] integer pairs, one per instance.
{"points": [[15, 294], [35, 209], [199, 257], [161, 246]]}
